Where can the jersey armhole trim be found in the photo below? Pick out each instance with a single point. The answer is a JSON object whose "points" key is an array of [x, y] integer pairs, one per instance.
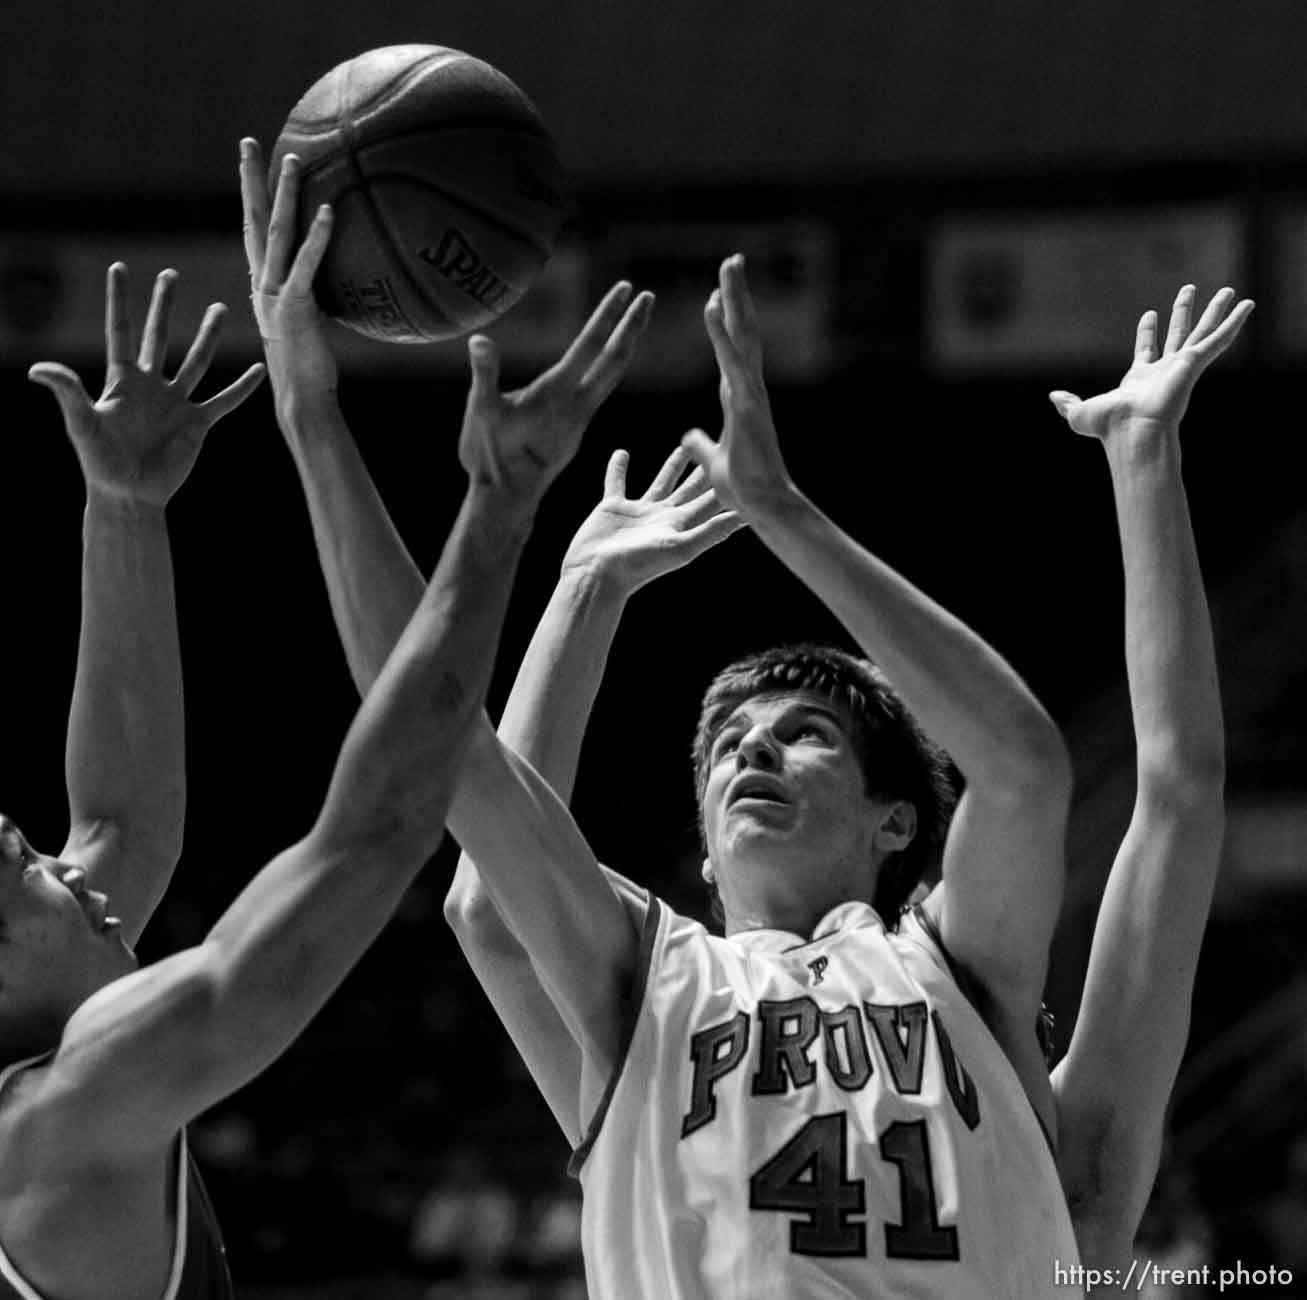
{"points": [[8, 1272], [966, 986], [639, 988], [182, 1223]]}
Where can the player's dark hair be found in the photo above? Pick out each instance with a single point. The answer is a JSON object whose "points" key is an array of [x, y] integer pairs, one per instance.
{"points": [[1044, 1031], [898, 760]]}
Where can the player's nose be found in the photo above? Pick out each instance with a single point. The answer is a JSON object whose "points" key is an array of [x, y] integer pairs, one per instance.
{"points": [[758, 749]]}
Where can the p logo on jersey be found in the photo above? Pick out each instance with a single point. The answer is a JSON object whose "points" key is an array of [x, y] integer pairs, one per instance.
{"points": [[818, 968]]}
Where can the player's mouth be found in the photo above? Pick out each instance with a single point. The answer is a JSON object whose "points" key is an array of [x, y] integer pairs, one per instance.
{"points": [[756, 788]]}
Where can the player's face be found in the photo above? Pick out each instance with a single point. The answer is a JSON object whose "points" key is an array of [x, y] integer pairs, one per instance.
{"points": [[785, 790], [58, 944]]}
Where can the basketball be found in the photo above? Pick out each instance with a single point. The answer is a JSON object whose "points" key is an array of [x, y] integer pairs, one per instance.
{"points": [[446, 186]]}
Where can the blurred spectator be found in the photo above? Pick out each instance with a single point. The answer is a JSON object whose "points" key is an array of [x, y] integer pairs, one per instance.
{"points": [[1285, 1213], [466, 1224], [1175, 1233], [551, 1240]]}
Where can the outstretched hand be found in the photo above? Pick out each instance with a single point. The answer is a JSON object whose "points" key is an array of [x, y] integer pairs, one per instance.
{"points": [[291, 324], [1156, 389], [744, 466], [139, 439], [633, 540], [519, 441]]}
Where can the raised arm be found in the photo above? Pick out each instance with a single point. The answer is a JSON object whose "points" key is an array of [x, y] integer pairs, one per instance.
{"points": [[624, 543], [125, 760], [1004, 854], [372, 581], [154, 1048], [1113, 1085]]}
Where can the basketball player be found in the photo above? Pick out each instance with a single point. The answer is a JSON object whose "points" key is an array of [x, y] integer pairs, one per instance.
{"points": [[1112, 1088], [106, 1063], [811, 1106], [72, 1221]]}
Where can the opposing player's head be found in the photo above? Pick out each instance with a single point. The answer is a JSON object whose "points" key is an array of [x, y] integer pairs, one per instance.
{"points": [[57, 946], [815, 786]]}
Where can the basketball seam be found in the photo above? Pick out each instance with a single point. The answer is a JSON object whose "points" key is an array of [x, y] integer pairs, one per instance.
{"points": [[384, 234], [410, 74], [529, 112], [405, 79], [351, 141], [352, 148], [529, 130], [346, 123], [475, 209]]}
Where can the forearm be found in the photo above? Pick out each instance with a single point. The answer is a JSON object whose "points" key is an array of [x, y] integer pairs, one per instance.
{"points": [[372, 582], [545, 717], [211, 1018], [1146, 942], [400, 757], [1170, 657], [1134, 1017], [125, 753], [544, 721], [547, 711], [553, 695], [546, 884], [965, 696]]}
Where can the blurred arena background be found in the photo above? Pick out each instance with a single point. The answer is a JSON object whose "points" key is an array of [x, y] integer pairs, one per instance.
{"points": [[948, 208]]}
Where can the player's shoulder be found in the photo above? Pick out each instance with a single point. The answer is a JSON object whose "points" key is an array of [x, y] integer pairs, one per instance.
{"points": [[23, 1092], [50, 1129], [51, 1144]]}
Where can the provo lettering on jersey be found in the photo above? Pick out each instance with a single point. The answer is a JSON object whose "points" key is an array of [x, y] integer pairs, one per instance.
{"points": [[796, 1039], [456, 259]]}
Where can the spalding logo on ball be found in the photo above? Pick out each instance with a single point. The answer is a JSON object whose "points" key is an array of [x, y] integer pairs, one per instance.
{"points": [[447, 191]]}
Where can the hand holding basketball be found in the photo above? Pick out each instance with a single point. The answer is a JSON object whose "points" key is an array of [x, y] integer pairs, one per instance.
{"points": [[139, 439], [518, 442], [291, 324], [1155, 390], [744, 466], [632, 540]]}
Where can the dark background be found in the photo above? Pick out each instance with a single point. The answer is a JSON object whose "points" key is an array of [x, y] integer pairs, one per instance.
{"points": [[403, 1110]]}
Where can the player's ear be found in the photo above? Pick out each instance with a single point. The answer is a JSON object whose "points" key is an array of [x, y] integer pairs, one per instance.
{"points": [[707, 872], [898, 824]]}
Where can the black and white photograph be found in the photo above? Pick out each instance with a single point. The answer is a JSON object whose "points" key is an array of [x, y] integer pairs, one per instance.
{"points": [[654, 652]]}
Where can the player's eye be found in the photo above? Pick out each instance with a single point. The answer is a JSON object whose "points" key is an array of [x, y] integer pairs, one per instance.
{"points": [[726, 743]]}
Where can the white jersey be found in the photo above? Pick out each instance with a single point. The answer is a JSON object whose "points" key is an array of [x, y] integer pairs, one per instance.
{"points": [[810, 1119]]}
